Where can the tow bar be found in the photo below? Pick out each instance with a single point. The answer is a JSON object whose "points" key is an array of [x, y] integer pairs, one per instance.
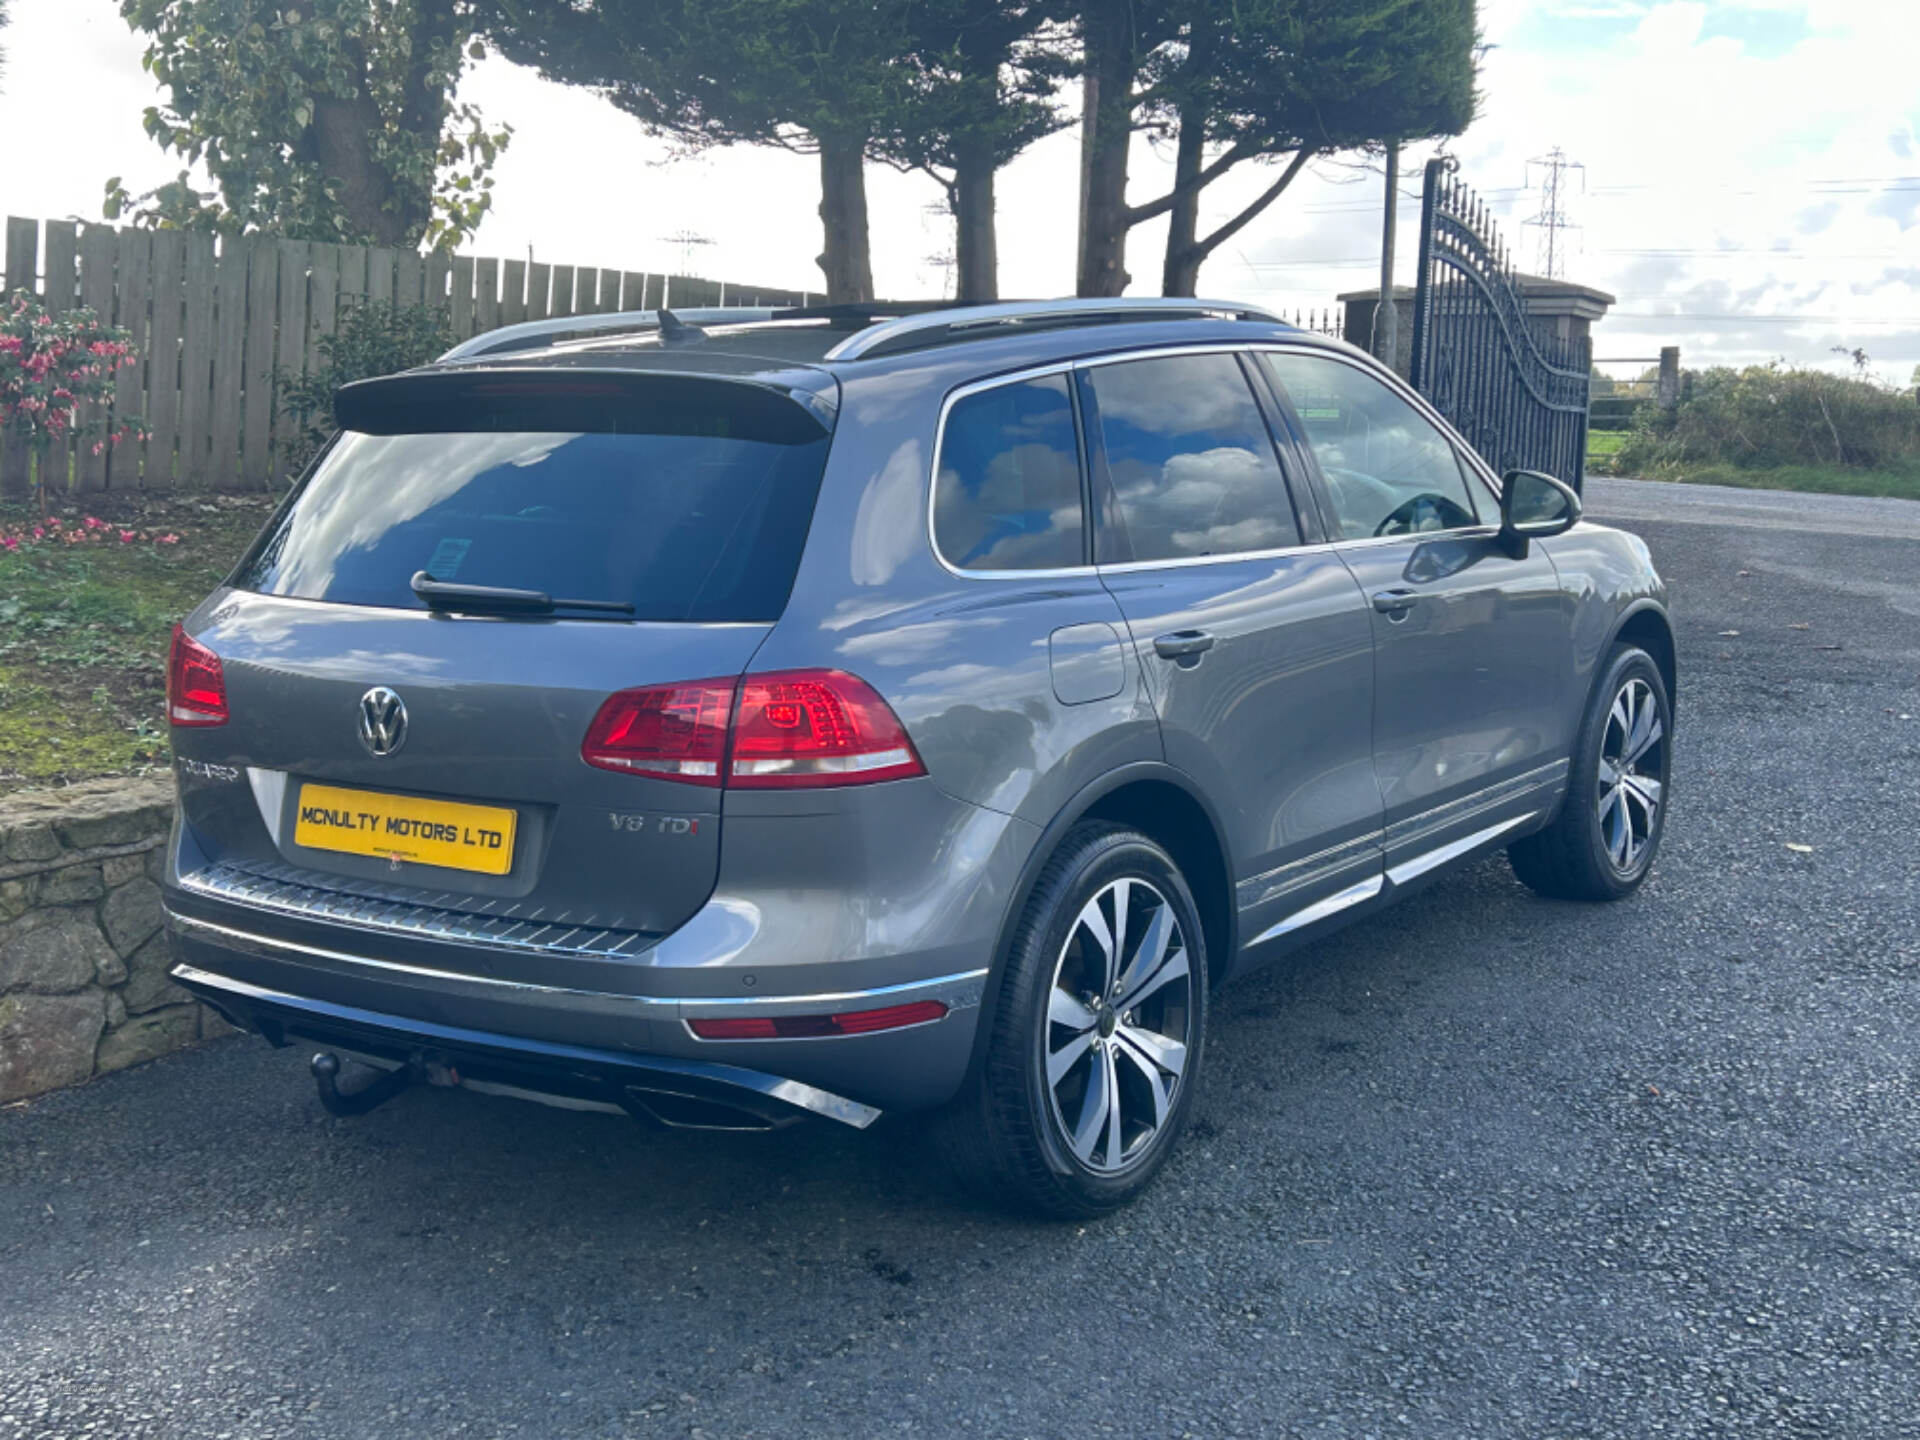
{"points": [[348, 1103]]}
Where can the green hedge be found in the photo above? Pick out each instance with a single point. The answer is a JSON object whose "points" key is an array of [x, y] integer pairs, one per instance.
{"points": [[1771, 416]]}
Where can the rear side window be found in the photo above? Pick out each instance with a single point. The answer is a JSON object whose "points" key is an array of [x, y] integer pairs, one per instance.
{"points": [[1008, 493], [689, 506], [1190, 461]]}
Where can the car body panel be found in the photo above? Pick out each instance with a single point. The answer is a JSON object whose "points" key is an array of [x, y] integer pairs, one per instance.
{"points": [[496, 712], [1274, 721], [1472, 684]]}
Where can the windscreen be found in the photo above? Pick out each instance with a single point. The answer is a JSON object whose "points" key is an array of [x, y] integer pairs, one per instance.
{"points": [[690, 511]]}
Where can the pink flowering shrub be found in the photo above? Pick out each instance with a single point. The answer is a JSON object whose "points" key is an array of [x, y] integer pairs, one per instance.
{"points": [[52, 530], [50, 366]]}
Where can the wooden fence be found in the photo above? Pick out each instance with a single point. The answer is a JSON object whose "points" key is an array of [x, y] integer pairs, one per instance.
{"points": [[213, 320]]}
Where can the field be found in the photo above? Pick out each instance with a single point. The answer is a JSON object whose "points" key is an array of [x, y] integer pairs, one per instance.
{"points": [[84, 626]]}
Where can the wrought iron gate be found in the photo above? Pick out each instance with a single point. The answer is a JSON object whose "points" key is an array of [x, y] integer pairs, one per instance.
{"points": [[1517, 394]]}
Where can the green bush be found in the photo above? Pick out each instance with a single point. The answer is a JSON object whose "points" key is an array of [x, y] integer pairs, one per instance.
{"points": [[373, 338], [1769, 416]]}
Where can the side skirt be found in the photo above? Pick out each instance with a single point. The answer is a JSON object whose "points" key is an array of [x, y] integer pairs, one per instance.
{"points": [[1336, 911]]}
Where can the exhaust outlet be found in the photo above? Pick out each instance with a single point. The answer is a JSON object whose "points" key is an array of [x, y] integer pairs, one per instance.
{"points": [[679, 1110]]}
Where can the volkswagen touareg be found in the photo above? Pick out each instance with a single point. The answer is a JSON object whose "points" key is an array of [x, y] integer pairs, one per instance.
{"points": [[732, 716]]}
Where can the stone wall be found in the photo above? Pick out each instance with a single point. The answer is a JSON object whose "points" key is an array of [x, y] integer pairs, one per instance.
{"points": [[83, 957]]}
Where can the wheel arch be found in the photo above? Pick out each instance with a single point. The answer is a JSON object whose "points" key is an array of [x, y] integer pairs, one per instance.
{"points": [[1646, 624], [1163, 803]]}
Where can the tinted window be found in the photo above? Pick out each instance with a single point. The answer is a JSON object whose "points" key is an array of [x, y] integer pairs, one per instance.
{"points": [[1190, 459], [1008, 493], [683, 526], [1389, 471]]}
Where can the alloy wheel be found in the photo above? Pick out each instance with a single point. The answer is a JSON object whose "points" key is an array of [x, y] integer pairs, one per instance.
{"points": [[1633, 773], [1119, 1024]]}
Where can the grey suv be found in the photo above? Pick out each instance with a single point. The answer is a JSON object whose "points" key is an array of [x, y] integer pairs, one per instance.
{"points": [[729, 716]]}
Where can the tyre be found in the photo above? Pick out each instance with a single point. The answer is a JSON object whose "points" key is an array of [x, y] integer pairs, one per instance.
{"points": [[1602, 843], [1093, 1059]]}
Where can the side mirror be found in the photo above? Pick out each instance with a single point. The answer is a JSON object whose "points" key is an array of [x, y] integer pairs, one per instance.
{"points": [[1534, 506]]}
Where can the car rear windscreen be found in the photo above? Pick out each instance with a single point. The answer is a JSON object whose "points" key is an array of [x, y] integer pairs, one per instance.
{"points": [[689, 504]]}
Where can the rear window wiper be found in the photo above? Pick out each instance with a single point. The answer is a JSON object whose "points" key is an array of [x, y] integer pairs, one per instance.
{"points": [[502, 599]]}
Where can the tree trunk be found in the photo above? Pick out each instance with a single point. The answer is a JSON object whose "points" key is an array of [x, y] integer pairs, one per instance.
{"points": [[847, 258], [1106, 130], [976, 248], [1181, 273], [344, 133]]}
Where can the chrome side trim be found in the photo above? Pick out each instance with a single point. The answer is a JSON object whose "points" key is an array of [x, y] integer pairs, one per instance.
{"points": [[1518, 788], [1272, 884], [1185, 562], [957, 992], [1420, 864], [1321, 909], [793, 1092]]}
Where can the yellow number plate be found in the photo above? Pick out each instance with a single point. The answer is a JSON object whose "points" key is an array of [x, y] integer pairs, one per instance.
{"points": [[400, 827]]}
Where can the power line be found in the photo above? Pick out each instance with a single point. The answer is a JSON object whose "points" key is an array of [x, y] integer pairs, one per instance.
{"points": [[1870, 185], [1752, 252], [687, 240], [1341, 261]]}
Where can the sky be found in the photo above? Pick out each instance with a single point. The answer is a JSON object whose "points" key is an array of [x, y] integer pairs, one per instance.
{"points": [[1749, 190]]}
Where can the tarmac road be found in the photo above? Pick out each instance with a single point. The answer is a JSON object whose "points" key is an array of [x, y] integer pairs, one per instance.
{"points": [[1486, 1165]]}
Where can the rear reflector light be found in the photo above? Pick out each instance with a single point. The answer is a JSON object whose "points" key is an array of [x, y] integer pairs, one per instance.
{"points": [[809, 1027], [674, 732], [789, 729], [807, 728], [196, 689]]}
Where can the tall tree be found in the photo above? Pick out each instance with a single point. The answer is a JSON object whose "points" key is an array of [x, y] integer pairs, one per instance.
{"points": [[822, 77], [323, 119], [1233, 81], [985, 72]]}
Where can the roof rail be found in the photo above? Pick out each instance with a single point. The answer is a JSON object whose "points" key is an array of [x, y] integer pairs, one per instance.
{"points": [[965, 322], [537, 334]]}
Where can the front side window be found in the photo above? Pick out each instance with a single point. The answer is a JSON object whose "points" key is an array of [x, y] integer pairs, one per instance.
{"points": [[1008, 493], [1190, 461], [1388, 470]]}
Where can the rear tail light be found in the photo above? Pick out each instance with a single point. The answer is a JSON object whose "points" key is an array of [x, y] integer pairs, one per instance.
{"points": [[196, 690], [673, 732], [789, 729], [804, 728], [810, 1027]]}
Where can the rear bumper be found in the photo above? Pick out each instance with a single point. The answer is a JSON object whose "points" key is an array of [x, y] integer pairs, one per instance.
{"points": [[697, 1092], [333, 989]]}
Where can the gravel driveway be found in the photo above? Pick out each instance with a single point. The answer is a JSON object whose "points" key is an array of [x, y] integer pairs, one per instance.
{"points": [[1485, 1165]]}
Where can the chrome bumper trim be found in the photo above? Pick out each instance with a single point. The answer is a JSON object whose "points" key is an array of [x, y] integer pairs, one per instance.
{"points": [[956, 992], [396, 910]]}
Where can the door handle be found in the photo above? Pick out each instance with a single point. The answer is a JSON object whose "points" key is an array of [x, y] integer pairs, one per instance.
{"points": [[1395, 603], [1182, 644]]}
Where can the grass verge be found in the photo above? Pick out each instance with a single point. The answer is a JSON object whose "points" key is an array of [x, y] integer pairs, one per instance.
{"points": [[83, 631]]}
